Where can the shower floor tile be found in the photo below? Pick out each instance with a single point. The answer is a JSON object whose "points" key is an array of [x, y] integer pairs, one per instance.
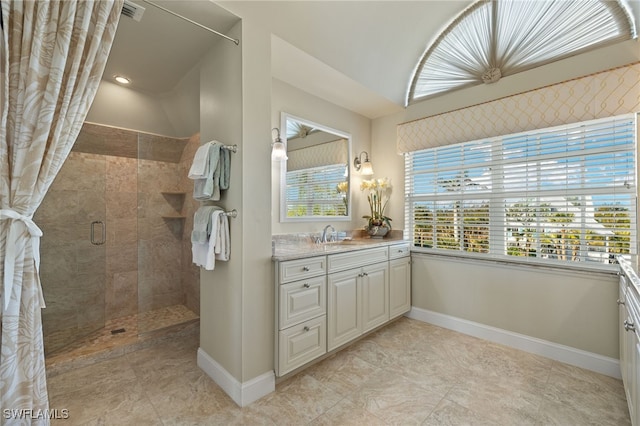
{"points": [[121, 336], [164, 317]]}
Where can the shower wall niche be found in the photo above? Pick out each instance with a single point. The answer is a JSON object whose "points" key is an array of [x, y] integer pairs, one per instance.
{"points": [[116, 251]]}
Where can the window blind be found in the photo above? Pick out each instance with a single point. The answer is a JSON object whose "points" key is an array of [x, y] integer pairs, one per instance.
{"points": [[562, 194], [314, 191]]}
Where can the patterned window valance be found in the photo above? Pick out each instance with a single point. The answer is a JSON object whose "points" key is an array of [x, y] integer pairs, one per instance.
{"points": [[600, 95]]}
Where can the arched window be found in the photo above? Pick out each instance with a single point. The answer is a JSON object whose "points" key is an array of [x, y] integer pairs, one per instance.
{"points": [[496, 38]]}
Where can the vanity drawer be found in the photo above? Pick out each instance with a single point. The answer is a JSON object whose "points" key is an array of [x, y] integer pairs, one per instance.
{"points": [[302, 343], [302, 300], [355, 259], [293, 270], [398, 250]]}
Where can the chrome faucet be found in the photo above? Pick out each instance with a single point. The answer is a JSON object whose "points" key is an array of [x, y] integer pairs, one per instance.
{"points": [[324, 233]]}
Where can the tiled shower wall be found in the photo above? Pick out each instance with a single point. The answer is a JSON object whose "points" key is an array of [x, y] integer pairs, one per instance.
{"points": [[136, 183], [190, 273]]}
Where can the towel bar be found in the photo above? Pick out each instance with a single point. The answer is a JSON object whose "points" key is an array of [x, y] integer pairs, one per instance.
{"points": [[232, 148], [233, 213]]}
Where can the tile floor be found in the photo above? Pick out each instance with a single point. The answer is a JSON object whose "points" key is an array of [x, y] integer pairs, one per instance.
{"points": [[408, 373]]}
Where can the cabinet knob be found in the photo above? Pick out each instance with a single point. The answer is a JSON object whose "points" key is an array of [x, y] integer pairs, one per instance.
{"points": [[306, 285], [620, 302], [305, 268], [306, 328], [629, 326]]}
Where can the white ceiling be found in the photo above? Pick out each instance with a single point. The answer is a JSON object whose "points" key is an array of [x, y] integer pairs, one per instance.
{"points": [[356, 54], [158, 51]]}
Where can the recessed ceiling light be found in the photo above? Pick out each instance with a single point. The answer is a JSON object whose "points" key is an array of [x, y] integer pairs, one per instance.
{"points": [[122, 80]]}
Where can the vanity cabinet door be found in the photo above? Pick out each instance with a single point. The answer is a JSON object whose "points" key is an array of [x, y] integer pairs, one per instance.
{"points": [[636, 383], [623, 335], [343, 308], [375, 295], [399, 286]]}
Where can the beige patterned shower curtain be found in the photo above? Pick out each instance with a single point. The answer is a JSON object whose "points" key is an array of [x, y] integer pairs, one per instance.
{"points": [[54, 54]]}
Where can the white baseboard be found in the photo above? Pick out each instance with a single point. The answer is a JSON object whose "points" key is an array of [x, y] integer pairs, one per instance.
{"points": [[242, 393], [566, 354]]}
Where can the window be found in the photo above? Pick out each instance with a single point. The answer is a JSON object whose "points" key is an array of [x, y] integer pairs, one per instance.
{"points": [[317, 191], [493, 39], [563, 194]]}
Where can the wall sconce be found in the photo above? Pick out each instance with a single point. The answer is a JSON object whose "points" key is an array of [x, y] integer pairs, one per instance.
{"points": [[364, 167], [278, 150]]}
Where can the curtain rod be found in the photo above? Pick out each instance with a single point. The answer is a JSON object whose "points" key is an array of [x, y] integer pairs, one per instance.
{"points": [[237, 42]]}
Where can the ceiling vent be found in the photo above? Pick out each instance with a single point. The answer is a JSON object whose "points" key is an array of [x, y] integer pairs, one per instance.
{"points": [[132, 10]]}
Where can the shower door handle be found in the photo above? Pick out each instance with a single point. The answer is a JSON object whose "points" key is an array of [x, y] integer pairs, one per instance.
{"points": [[103, 236]]}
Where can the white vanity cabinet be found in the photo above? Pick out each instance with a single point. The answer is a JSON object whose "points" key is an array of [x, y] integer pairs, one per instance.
{"points": [[301, 308], [629, 302], [399, 280], [327, 300]]}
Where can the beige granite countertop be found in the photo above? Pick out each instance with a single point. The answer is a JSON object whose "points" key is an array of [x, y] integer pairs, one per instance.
{"points": [[298, 249]]}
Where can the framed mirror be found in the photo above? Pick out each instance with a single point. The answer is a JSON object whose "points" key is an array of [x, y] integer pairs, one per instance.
{"points": [[315, 179]]}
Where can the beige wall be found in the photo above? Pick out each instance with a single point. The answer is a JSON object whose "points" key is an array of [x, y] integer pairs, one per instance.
{"points": [[286, 98], [237, 297], [221, 289], [236, 323], [576, 309], [257, 291]]}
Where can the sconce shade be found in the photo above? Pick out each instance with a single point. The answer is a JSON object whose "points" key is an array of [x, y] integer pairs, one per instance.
{"points": [[366, 169], [278, 150]]}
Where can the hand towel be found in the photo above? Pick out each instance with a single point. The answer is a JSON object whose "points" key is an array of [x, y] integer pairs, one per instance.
{"points": [[203, 254], [202, 224], [200, 162], [208, 187], [217, 247], [225, 169]]}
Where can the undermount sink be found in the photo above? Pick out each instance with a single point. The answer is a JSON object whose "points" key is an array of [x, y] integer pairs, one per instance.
{"points": [[344, 242]]}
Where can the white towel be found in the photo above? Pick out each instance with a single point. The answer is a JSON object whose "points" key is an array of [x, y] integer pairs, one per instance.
{"points": [[222, 239], [217, 247]]}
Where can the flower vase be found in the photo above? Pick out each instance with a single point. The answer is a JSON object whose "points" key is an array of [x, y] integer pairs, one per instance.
{"points": [[377, 231]]}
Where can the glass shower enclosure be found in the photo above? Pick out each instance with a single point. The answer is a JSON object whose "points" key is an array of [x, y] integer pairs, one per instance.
{"points": [[115, 254]]}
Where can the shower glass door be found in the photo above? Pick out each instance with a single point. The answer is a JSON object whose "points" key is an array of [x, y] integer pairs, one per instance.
{"points": [[72, 217]]}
